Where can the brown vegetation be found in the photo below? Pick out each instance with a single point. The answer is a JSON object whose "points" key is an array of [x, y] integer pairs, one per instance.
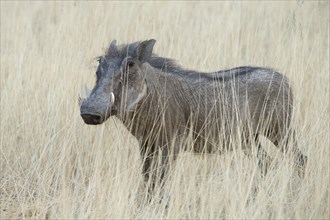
{"points": [[55, 166]]}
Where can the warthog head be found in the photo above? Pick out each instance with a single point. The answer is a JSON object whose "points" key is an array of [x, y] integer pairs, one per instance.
{"points": [[120, 83]]}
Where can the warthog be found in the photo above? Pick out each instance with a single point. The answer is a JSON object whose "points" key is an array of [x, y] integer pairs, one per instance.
{"points": [[164, 105]]}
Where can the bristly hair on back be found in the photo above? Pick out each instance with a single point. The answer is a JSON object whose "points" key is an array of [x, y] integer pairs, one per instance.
{"points": [[165, 64], [168, 65]]}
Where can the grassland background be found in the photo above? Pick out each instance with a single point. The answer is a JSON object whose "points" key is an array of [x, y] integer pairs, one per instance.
{"points": [[55, 166]]}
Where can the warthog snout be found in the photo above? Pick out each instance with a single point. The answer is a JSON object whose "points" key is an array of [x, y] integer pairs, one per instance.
{"points": [[96, 111], [92, 118]]}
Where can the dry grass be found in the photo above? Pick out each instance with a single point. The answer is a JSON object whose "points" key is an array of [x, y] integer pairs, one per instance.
{"points": [[55, 166]]}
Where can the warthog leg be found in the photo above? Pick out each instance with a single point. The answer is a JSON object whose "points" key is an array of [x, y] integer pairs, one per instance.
{"points": [[299, 158], [283, 142], [155, 165], [264, 160]]}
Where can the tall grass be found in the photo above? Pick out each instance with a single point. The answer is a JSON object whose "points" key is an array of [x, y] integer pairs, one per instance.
{"points": [[55, 166]]}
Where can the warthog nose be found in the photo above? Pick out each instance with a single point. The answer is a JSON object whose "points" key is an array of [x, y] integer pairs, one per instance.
{"points": [[92, 119]]}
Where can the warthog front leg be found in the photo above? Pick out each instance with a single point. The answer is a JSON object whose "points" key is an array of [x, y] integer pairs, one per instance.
{"points": [[155, 165]]}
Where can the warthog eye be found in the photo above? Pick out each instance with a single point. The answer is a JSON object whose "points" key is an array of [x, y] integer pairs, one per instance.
{"points": [[130, 64], [127, 64]]}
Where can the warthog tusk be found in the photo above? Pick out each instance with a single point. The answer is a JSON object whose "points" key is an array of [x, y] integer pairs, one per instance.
{"points": [[112, 98], [86, 91]]}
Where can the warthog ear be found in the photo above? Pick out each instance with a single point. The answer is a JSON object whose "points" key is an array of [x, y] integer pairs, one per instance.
{"points": [[144, 50], [113, 47]]}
